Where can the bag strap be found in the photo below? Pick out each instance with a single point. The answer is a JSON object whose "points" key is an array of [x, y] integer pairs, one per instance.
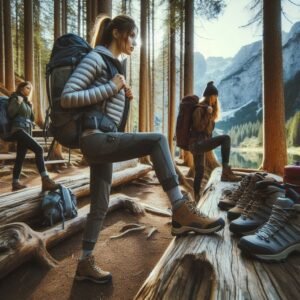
{"points": [[67, 201]]}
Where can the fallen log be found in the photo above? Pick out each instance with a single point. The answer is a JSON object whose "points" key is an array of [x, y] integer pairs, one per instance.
{"points": [[24, 205], [212, 267], [19, 243]]}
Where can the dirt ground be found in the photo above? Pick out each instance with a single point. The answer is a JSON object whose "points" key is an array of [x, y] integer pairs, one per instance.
{"points": [[130, 259]]}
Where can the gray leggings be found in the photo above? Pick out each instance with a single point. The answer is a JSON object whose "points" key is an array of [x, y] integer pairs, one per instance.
{"points": [[101, 150]]}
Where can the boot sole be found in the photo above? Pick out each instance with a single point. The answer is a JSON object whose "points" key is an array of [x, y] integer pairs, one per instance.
{"points": [[101, 281], [277, 256], [185, 229]]}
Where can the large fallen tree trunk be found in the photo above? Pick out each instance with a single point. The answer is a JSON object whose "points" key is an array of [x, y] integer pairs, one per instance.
{"points": [[212, 267], [25, 205], [19, 243]]}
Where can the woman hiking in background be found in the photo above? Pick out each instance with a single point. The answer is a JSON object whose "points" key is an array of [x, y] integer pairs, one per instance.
{"points": [[201, 140], [21, 113], [104, 96]]}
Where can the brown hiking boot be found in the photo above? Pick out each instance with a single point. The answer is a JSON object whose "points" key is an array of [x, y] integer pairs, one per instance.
{"points": [[87, 270], [48, 184], [18, 186], [230, 199], [188, 218], [227, 175], [246, 197]]}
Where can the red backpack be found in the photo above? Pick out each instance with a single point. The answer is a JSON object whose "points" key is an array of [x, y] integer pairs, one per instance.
{"points": [[184, 120]]}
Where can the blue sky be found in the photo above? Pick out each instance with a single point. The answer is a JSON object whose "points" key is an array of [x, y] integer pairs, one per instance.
{"points": [[224, 37]]}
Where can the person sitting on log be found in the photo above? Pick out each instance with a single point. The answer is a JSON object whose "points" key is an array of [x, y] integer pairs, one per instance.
{"points": [[20, 111], [102, 94], [201, 140]]}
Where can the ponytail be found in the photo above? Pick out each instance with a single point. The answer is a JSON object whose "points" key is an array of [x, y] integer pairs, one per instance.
{"points": [[102, 33], [99, 33]]}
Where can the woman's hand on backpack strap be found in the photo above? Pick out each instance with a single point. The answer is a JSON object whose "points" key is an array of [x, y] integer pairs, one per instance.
{"points": [[128, 92], [119, 81]]}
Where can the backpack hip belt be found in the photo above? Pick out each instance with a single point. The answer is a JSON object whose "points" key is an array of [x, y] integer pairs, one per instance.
{"points": [[101, 122]]}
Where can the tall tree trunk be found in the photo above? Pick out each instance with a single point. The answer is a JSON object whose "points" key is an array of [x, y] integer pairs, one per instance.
{"points": [[189, 61], [89, 20], [150, 98], [275, 151], [181, 61], [64, 17], [163, 86], [57, 19], [9, 54], [172, 77], [153, 98], [17, 51], [124, 8], [79, 9], [28, 41], [2, 51], [143, 70], [105, 7], [39, 116]]}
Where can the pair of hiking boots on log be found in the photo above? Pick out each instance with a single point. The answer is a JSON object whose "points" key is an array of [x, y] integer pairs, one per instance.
{"points": [[267, 214]]}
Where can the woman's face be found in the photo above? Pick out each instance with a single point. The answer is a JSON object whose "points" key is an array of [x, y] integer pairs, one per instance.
{"points": [[26, 90], [130, 43]]}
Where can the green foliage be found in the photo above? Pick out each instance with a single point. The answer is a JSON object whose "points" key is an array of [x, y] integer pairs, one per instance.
{"points": [[247, 134], [293, 130]]}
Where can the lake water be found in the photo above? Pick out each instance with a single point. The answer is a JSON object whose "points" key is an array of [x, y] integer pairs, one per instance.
{"points": [[250, 159]]}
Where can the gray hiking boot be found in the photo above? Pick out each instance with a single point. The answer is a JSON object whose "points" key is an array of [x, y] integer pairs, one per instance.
{"points": [[258, 211], [231, 199], [246, 197], [280, 236], [88, 270]]}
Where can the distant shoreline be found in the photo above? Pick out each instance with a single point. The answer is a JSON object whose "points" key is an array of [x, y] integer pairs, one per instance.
{"points": [[291, 150]]}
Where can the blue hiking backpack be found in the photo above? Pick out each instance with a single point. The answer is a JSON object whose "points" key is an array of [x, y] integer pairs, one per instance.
{"points": [[59, 205], [5, 122]]}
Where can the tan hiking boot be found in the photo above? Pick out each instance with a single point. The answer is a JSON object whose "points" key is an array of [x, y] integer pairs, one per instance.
{"points": [[88, 270], [18, 186], [246, 197], [230, 199], [48, 184], [188, 218], [227, 175]]}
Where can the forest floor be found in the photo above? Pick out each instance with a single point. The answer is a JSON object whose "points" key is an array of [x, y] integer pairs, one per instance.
{"points": [[130, 259]]}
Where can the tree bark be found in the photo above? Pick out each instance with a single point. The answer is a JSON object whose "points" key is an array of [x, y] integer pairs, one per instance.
{"points": [[57, 19], [143, 70], [189, 61], [89, 20], [64, 16], [9, 55], [79, 9], [28, 42], [105, 7], [2, 51], [275, 151], [172, 77]]}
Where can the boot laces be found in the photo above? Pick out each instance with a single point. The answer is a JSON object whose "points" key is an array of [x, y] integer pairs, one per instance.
{"points": [[192, 207], [240, 190], [93, 265], [278, 220], [257, 199]]}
